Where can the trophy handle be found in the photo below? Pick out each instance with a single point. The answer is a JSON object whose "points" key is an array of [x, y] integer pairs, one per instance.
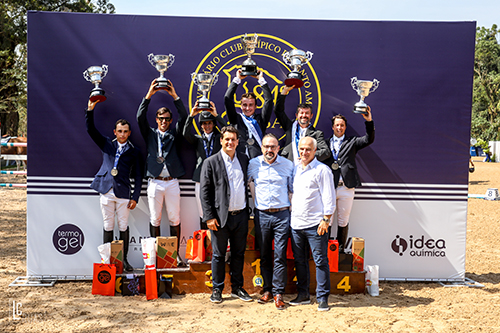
{"points": [[215, 79], [151, 59], [286, 58], [171, 59], [104, 71], [354, 83], [194, 78], [86, 75], [309, 55], [375, 85]]}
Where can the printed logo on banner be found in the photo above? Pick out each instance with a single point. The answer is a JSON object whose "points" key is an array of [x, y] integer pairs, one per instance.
{"points": [[419, 247], [68, 239], [226, 58]]}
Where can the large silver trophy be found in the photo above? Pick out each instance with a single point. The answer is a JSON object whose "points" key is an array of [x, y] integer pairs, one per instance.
{"points": [[162, 63], [296, 59], [204, 81], [363, 88], [249, 67], [95, 74]]}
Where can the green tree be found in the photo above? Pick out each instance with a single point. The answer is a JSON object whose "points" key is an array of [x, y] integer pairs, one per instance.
{"points": [[13, 38], [486, 97]]}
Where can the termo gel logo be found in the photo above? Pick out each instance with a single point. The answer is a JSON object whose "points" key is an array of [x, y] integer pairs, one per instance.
{"points": [[225, 58], [419, 247], [68, 239]]}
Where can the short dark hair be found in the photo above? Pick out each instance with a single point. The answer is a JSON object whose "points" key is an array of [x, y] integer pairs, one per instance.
{"points": [[304, 106], [163, 110], [249, 95], [339, 116], [122, 122], [270, 135], [230, 129]]}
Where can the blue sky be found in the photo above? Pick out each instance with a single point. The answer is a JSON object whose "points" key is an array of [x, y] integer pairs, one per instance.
{"points": [[485, 12]]}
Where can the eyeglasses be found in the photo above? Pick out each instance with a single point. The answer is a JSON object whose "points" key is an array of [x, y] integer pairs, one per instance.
{"points": [[163, 118], [273, 147]]}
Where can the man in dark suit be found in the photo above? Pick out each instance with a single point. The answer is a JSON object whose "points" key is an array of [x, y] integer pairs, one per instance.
{"points": [[225, 210], [120, 161], [299, 128], [345, 172], [250, 125], [163, 165], [206, 145]]}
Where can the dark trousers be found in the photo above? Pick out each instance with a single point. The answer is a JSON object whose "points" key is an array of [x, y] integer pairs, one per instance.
{"points": [[235, 231], [319, 248], [274, 226]]}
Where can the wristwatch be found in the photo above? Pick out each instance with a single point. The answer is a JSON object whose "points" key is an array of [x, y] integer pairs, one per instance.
{"points": [[326, 219]]}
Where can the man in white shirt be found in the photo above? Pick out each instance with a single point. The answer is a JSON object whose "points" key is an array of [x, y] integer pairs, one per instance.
{"points": [[313, 204]]}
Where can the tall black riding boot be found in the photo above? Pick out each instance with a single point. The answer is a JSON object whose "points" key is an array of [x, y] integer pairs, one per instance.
{"points": [[342, 237], [125, 237], [175, 231], [154, 231], [107, 236]]}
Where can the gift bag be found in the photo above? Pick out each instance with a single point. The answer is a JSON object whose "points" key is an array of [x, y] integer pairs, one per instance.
{"points": [[371, 279], [103, 281], [333, 255], [189, 249], [199, 245], [151, 284], [165, 286], [130, 285], [149, 252]]}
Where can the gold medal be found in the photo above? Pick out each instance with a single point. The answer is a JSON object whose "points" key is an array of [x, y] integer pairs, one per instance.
{"points": [[114, 172]]}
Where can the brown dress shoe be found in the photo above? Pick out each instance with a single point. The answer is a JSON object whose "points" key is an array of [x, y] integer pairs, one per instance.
{"points": [[278, 301], [266, 297]]}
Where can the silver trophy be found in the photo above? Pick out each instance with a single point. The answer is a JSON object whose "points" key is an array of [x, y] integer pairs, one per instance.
{"points": [[204, 81], [95, 74], [363, 88], [162, 63], [249, 67], [296, 59]]}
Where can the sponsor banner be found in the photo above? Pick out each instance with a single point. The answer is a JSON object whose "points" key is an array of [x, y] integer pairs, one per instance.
{"points": [[64, 241], [421, 112]]}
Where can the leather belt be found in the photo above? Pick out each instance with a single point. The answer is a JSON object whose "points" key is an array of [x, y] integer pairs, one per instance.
{"points": [[275, 210], [164, 178], [236, 212]]}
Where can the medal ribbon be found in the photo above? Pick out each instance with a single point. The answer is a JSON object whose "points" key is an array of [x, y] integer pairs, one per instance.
{"points": [[253, 128], [160, 144], [335, 153], [119, 153], [297, 137], [208, 152]]}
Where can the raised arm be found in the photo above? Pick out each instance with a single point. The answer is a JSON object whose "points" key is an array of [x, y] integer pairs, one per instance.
{"points": [[96, 136]]}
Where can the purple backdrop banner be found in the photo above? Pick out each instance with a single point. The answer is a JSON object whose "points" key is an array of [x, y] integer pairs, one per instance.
{"points": [[412, 207], [421, 109]]}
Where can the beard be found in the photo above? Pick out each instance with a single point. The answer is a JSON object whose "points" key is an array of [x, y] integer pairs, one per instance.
{"points": [[269, 156]]}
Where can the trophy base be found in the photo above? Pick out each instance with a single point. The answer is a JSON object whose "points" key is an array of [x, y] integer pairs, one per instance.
{"points": [[203, 106], [298, 83], [249, 70], [360, 108], [97, 94], [162, 83]]}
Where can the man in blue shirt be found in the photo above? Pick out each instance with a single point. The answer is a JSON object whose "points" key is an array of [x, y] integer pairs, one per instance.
{"points": [[273, 178]]}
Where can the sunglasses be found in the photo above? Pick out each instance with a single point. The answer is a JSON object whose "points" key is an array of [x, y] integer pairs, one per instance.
{"points": [[164, 118]]}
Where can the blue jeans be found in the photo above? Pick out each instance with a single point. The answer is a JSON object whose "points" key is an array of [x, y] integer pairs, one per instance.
{"points": [[274, 226], [235, 231], [319, 248]]}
